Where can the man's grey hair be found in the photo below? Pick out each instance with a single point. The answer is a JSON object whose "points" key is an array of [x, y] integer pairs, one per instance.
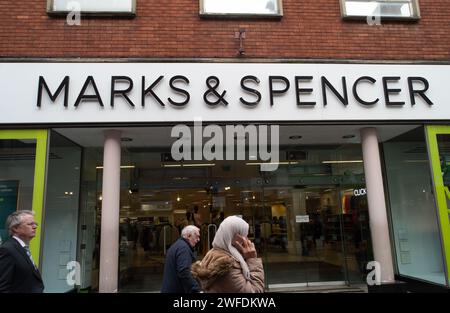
{"points": [[189, 230], [15, 219]]}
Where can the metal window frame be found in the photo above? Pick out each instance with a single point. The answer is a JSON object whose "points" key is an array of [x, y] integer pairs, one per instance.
{"points": [[413, 17], [132, 13], [202, 13], [443, 214]]}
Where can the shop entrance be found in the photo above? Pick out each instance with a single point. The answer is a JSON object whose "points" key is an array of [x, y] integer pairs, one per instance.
{"points": [[308, 218]]}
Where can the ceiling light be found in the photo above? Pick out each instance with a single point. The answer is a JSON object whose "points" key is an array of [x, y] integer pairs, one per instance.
{"points": [[227, 188]]}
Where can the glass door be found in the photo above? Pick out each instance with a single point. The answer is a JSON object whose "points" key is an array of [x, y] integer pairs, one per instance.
{"points": [[314, 225], [22, 177]]}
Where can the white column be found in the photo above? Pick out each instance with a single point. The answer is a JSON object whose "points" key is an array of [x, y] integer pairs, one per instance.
{"points": [[377, 207], [109, 240]]}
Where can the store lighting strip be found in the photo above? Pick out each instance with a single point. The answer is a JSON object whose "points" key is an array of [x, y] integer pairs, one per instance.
{"points": [[274, 163], [340, 162], [122, 166], [189, 165]]}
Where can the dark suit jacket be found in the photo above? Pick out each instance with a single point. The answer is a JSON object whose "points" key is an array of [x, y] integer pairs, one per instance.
{"points": [[17, 273]]}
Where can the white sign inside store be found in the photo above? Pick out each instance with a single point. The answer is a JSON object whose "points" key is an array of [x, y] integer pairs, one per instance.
{"points": [[302, 218], [59, 93]]}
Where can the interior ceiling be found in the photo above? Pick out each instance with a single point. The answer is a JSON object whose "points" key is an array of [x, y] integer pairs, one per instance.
{"points": [[310, 135]]}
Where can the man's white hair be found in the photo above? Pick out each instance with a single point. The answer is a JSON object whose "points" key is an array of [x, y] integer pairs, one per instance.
{"points": [[15, 219], [189, 230]]}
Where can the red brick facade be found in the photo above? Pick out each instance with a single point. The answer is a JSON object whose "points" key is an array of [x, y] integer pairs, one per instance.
{"points": [[173, 29]]}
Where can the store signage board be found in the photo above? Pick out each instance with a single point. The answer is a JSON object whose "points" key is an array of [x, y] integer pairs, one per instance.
{"points": [[59, 93]]}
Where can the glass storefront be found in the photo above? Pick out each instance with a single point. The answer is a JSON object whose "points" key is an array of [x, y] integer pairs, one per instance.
{"points": [[308, 219]]}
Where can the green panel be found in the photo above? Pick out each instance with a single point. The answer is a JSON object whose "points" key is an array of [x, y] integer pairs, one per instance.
{"points": [[41, 137], [440, 189]]}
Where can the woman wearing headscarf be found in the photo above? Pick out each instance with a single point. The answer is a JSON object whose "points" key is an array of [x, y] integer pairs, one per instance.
{"points": [[232, 265]]}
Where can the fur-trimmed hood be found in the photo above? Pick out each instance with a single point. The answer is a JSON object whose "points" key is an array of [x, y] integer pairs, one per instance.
{"points": [[214, 265], [219, 271]]}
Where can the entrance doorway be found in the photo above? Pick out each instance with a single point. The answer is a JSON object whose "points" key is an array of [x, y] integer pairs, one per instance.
{"points": [[308, 219]]}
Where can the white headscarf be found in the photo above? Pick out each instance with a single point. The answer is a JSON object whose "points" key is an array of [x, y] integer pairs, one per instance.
{"points": [[229, 227]]}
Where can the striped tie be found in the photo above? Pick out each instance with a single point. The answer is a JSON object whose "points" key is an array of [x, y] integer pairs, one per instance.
{"points": [[27, 249]]}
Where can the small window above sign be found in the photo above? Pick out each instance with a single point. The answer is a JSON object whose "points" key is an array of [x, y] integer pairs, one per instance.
{"points": [[92, 7], [387, 9], [241, 8]]}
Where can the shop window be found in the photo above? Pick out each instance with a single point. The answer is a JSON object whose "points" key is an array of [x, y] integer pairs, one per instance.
{"points": [[61, 213], [92, 7], [237, 8], [415, 226], [386, 9]]}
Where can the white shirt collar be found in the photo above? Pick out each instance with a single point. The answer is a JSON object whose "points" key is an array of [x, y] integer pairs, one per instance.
{"points": [[22, 243]]}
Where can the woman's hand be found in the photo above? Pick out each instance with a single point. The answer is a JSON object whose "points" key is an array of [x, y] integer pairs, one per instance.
{"points": [[244, 246]]}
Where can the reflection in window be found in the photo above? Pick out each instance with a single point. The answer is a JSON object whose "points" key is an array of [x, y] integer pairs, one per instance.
{"points": [[403, 9], [241, 7], [92, 6]]}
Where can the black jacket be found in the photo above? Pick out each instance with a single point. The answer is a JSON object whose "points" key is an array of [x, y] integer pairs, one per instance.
{"points": [[17, 273], [177, 269]]}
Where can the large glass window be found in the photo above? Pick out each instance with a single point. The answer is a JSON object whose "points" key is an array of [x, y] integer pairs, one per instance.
{"points": [[241, 7], [17, 159], [412, 204], [61, 212], [393, 9]]}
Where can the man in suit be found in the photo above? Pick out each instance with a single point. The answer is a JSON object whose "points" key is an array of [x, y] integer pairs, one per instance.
{"points": [[18, 272]]}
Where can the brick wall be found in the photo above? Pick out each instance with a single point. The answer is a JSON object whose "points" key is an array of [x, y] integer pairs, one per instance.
{"points": [[173, 28]]}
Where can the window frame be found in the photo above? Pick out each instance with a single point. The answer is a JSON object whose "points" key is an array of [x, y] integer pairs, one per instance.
{"points": [[415, 10], [204, 14], [132, 13]]}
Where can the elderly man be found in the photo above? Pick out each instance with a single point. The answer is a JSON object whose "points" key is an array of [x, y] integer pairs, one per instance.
{"points": [[18, 272], [179, 258]]}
